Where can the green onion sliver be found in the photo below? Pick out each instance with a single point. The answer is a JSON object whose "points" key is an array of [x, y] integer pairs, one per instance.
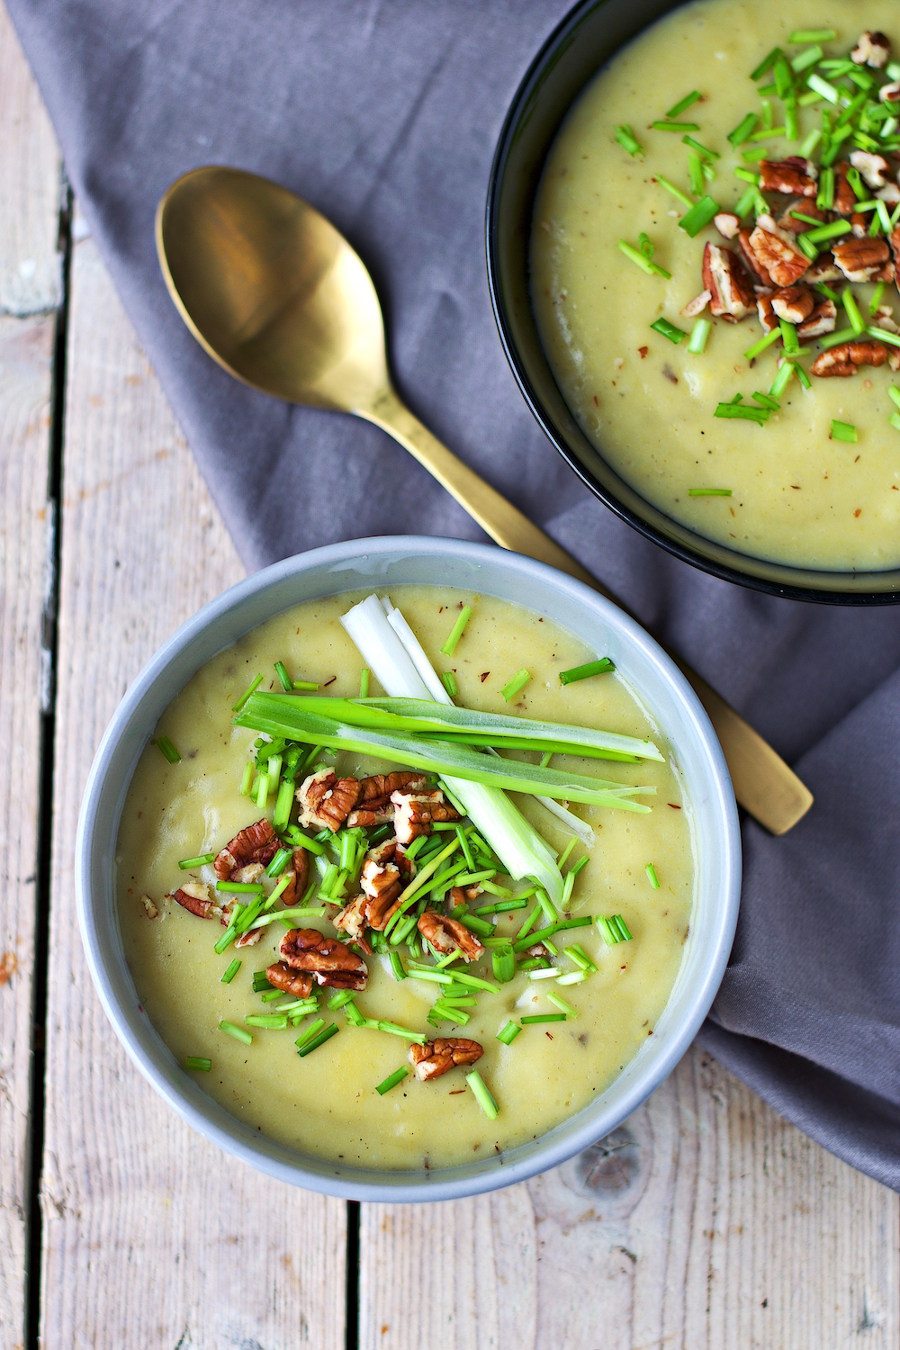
{"points": [[709, 492], [284, 678], [202, 860], [628, 141], [668, 330], [516, 684], [457, 630], [251, 688], [482, 1094], [237, 1033], [699, 216], [684, 103], [651, 876], [742, 412], [198, 1062], [536, 1019], [645, 264], [602, 666], [508, 1033], [448, 680], [844, 431], [699, 336], [309, 1046], [230, 971], [613, 929], [167, 749], [392, 1080]]}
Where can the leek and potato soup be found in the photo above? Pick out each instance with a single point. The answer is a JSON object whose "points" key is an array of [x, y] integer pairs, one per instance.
{"points": [[348, 908], [713, 268]]}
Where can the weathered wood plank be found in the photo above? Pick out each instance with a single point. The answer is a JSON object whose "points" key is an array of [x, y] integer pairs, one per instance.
{"points": [[29, 286], [706, 1221], [152, 1237]]}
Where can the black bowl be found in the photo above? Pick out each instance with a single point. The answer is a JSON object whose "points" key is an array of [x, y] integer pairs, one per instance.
{"points": [[591, 33]]}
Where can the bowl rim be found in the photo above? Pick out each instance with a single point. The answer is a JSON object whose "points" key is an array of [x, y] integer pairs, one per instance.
{"points": [[155, 1061], [528, 84]]}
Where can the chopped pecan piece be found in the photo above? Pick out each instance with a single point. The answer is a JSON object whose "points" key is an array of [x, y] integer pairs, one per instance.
{"points": [[872, 49], [823, 270], [777, 256], [874, 168], [415, 812], [385, 871], [194, 896], [462, 895], [822, 320], [374, 804], [860, 259], [256, 843], [440, 1056], [890, 93], [449, 935], [895, 245], [844, 202], [293, 891], [353, 918], [326, 959], [890, 193], [790, 222], [326, 800], [250, 874], [794, 303], [766, 312], [149, 908], [697, 305], [884, 318], [794, 177], [726, 279], [250, 938], [291, 981], [727, 223], [846, 359]]}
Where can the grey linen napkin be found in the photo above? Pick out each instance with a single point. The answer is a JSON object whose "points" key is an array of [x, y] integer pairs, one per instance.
{"points": [[385, 115]]}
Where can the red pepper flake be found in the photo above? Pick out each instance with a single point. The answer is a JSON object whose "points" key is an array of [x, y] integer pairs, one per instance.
{"points": [[483, 676], [674, 806], [642, 352], [858, 512], [328, 682]]}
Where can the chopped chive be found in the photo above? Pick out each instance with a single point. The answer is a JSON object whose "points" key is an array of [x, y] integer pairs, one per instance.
{"points": [[364, 675], [803, 60], [857, 322], [198, 1062], [269, 1021], [251, 688], [528, 940], [503, 964], [675, 126], [392, 1080], [894, 420], [614, 929], [822, 87], [590, 668], [284, 678], [844, 431], [536, 1018], [759, 347], [579, 957], [301, 840], [542, 973], [645, 264], [826, 232], [457, 630], [239, 887], [766, 64], [201, 860], [167, 749], [767, 401], [741, 411], [309, 1046], [651, 876], [684, 103], [564, 1007], [782, 379], [699, 216], [226, 939], [628, 141], [837, 338], [702, 150], [709, 492], [237, 1033], [508, 1033], [306, 686], [247, 779], [743, 130], [883, 335], [341, 999], [894, 394], [516, 684], [279, 862], [482, 1094], [448, 680], [668, 330], [699, 336], [230, 971], [789, 337], [803, 35], [676, 192]]}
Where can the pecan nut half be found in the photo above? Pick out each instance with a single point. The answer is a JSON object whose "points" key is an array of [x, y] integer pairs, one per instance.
{"points": [[844, 201], [822, 320], [326, 800], [385, 871], [846, 359], [776, 254], [291, 981], [194, 896], [794, 177], [438, 1057], [872, 49], [326, 959], [256, 843], [293, 891], [794, 303], [449, 935], [415, 812], [373, 806], [729, 286], [860, 259]]}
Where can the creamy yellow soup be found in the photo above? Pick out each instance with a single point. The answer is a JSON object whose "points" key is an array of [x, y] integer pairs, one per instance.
{"points": [[797, 495], [326, 1103]]}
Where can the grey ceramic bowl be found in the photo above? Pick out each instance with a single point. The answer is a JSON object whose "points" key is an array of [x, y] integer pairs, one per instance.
{"points": [[382, 564]]}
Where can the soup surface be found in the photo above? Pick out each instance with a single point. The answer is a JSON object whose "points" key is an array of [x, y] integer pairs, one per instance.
{"points": [[326, 1103], [790, 490]]}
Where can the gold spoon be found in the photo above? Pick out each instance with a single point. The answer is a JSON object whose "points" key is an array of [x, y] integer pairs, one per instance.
{"points": [[278, 297]]}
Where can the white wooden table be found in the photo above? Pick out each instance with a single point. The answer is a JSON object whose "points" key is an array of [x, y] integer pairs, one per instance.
{"points": [[706, 1221]]}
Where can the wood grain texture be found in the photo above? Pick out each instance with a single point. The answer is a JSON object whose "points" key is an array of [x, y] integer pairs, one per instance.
{"points": [[29, 285], [29, 203], [153, 1238], [704, 1222]]}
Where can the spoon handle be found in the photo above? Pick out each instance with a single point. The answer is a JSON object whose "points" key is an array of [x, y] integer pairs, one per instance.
{"points": [[763, 784]]}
